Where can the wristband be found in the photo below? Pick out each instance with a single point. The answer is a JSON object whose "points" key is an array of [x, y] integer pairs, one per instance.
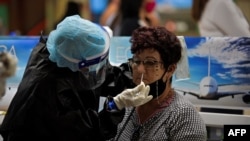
{"points": [[111, 106]]}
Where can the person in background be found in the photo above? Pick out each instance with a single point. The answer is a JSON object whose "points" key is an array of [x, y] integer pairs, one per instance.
{"points": [[73, 8], [130, 15], [109, 12], [168, 116], [58, 96], [97, 7], [219, 18]]}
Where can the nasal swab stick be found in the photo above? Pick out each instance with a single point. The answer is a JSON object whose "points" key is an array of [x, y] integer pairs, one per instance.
{"points": [[141, 82], [141, 77]]}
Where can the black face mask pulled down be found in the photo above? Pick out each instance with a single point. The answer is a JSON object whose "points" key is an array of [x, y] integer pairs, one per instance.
{"points": [[157, 87]]}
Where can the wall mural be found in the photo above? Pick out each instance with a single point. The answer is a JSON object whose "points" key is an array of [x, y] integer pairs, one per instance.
{"points": [[214, 73]]}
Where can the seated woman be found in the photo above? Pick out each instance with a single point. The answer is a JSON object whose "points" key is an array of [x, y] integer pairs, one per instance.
{"points": [[168, 116]]}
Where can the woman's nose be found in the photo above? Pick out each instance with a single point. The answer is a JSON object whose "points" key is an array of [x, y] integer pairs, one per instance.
{"points": [[141, 68]]}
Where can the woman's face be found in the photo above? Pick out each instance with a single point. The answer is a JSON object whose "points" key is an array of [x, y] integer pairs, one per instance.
{"points": [[147, 64]]}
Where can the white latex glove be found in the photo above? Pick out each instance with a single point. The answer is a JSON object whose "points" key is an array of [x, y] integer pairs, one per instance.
{"points": [[133, 97]]}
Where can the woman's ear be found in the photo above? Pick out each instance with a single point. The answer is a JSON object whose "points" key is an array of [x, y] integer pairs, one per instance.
{"points": [[169, 72], [172, 68]]}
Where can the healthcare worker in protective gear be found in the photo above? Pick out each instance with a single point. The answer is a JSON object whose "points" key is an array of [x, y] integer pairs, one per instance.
{"points": [[58, 97]]}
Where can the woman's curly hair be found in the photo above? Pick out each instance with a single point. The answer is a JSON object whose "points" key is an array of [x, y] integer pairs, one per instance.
{"points": [[160, 39]]}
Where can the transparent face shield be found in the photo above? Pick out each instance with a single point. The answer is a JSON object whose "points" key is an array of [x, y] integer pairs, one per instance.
{"points": [[92, 68], [95, 74]]}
